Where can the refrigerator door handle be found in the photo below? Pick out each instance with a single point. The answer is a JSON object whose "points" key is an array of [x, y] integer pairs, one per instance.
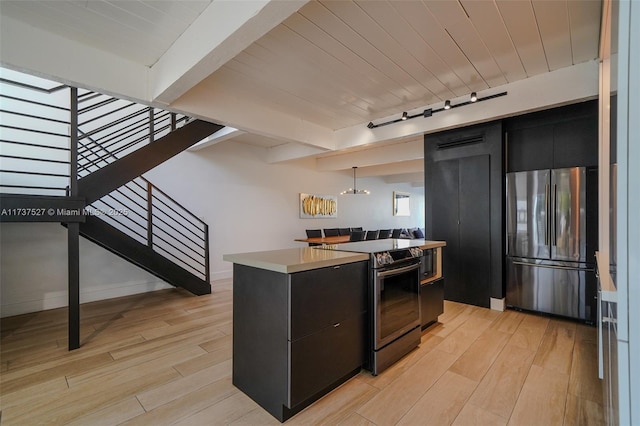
{"points": [[569, 268], [547, 210], [555, 216]]}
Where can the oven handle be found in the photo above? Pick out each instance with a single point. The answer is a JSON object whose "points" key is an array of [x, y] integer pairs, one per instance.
{"points": [[396, 271]]}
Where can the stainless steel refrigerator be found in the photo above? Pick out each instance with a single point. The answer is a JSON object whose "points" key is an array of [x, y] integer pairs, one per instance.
{"points": [[551, 230]]}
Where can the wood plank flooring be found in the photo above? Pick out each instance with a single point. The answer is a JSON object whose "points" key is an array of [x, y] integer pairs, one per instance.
{"points": [[165, 358]]}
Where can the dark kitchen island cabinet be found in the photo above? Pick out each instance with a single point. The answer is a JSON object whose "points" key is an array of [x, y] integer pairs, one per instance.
{"points": [[297, 332]]}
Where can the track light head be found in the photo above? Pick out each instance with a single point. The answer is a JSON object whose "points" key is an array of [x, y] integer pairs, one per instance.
{"points": [[447, 104], [427, 113], [404, 115], [370, 125], [474, 97]]}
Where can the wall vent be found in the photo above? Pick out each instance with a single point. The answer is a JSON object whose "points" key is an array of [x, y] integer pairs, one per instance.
{"points": [[461, 142]]}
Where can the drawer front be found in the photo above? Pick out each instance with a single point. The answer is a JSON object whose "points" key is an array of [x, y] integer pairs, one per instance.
{"points": [[432, 301], [323, 297], [321, 359]]}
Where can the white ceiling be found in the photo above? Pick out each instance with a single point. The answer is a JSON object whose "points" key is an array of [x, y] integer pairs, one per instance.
{"points": [[327, 67]]}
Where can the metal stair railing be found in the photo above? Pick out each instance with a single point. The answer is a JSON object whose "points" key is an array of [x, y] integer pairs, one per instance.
{"points": [[34, 136], [151, 217], [35, 152], [119, 127]]}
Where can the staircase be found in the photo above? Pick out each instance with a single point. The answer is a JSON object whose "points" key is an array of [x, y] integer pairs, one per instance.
{"points": [[65, 149]]}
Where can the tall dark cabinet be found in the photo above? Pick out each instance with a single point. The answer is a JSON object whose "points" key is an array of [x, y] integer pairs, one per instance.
{"points": [[463, 206], [463, 187]]}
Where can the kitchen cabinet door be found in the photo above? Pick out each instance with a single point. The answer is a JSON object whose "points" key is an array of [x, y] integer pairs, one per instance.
{"points": [[462, 219], [446, 182], [318, 360], [431, 301], [324, 297]]}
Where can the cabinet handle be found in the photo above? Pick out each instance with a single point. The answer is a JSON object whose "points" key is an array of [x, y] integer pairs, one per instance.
{"points": [[336, 325]]}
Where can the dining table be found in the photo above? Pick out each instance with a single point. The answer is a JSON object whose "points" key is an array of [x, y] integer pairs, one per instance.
{"points": [[338, 239]]}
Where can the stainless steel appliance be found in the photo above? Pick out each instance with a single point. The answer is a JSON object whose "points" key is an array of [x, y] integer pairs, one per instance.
{"points": [[551, 229], [395, 298]]}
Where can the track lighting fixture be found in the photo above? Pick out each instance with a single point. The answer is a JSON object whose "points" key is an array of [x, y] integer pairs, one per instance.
{"points": [[429, 111]]}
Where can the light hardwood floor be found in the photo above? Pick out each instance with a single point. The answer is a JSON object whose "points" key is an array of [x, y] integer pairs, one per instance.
{"points": [[165, 358]]}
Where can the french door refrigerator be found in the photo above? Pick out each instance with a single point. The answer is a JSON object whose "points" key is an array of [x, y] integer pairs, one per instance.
{"points": [[551, 231]]}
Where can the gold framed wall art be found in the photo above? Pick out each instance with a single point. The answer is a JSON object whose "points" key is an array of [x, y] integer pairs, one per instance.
{"points": [[318, 206]]}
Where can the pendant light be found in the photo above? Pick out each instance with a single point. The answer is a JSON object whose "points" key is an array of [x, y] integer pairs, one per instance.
{"points": [[354, 190]]}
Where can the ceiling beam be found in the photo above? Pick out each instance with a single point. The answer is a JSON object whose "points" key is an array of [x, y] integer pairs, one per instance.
{"points": [[38, 52], [223, 30], [211, 101], [412, 149], [221, 135]]}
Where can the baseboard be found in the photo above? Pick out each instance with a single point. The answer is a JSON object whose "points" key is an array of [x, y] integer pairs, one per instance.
{"points": [[60, 299], [221, 275], [497, 304]]}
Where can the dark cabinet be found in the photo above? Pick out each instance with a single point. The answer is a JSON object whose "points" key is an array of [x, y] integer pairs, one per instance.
{"points": [[464, 205], [323, 297], [297, 336], [431, 301], [461, 218], [553, 139], [320, 359]]}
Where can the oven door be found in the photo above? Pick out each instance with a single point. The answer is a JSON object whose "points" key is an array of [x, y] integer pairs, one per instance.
{"points": [[397, 302]]}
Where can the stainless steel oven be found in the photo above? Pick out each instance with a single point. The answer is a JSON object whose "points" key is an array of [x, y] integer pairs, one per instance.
{"points": [[396, 301], [396, 307]]}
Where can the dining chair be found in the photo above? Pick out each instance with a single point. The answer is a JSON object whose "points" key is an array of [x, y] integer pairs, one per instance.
{"points": [[314, 233], [331, 232], [396, 233], [384, 233], [371, 235], [357, 229], [356, 236], [344, 231]]}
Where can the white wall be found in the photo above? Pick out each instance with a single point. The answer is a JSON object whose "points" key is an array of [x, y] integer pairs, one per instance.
{"points": [[251, 205], [33, 270]]}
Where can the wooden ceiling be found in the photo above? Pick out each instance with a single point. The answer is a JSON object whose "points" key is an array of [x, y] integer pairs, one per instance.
{"points": [[342, 63]]}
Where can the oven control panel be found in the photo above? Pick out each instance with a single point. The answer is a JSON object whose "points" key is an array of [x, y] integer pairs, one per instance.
{"points": [[386, 258]]}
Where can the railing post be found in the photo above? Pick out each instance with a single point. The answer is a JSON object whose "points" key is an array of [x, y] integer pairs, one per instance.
{"points": [[73, 232], [207, 273], [149, 215], [152, 136]]}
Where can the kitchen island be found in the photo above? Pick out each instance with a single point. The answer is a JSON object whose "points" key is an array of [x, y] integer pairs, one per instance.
{"points": [[301, 325], [299, 318]]}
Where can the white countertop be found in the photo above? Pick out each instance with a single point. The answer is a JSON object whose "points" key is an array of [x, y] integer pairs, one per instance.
{"points": [[609, 293], [293, 260], [374, 246]]}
